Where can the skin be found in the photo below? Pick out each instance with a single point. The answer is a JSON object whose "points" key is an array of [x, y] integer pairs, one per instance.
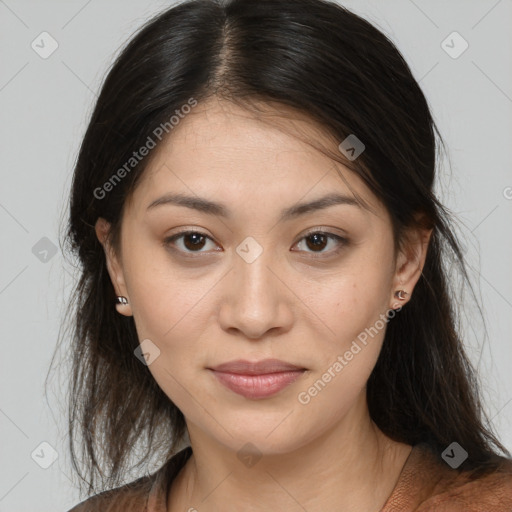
{"points": [[326, 454]]}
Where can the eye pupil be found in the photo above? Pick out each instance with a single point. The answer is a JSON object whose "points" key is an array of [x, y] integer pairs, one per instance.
{"points": [[317, 243], [195, 244]]}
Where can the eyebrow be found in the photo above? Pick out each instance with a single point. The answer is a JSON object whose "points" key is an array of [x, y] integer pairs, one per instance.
{"points": [[220, 210]]}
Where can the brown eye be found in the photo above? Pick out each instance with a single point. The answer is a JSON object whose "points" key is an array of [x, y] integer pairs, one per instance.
{"points": [[191, 241], [317, 241]]}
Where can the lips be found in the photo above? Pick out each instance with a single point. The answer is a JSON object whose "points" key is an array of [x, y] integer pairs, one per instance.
{"points": [[243, 367], [256, 380]]}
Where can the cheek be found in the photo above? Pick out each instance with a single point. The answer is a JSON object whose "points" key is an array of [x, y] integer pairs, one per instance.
{"points": [[171, 307], [353, 305], [164, 298], [168, 309], [344, 361], [353, 299]]}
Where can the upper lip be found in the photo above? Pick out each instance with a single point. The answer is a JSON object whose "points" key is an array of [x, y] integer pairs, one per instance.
{"points": [[264, 366]]}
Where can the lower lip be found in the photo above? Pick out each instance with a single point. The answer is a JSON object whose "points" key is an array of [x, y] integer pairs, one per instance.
{"points": [[257, 386]]}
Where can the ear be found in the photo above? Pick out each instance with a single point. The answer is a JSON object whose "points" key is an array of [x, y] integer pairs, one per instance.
{"points": [[114, 267], [409, 263]]}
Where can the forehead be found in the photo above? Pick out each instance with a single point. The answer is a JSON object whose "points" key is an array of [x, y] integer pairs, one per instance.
{"points": [[221, 149]]}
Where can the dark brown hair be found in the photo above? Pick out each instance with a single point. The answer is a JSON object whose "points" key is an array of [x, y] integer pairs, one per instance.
{"points": [[319, 59]]}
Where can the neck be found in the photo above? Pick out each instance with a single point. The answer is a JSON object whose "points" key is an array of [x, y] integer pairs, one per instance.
{"points": [[351, 467]]}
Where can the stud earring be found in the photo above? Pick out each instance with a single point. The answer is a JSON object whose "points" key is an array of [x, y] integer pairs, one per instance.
{"points": [[121, 300], [400, 294]]}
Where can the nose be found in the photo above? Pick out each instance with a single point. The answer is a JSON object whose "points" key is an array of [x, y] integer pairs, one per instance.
{"points": [[257, 300]]}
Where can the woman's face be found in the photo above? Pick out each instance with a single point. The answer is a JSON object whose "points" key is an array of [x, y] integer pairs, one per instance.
{"points": [[255, 282]]}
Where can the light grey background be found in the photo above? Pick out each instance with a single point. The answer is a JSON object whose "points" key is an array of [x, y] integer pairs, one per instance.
{"points": [[45, 104]]}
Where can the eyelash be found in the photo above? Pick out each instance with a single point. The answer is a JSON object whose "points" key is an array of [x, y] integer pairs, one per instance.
{"points": [[341, 241]]}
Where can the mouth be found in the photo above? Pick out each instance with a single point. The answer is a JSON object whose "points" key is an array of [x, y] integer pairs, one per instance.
{"points": [[257, 380]]}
